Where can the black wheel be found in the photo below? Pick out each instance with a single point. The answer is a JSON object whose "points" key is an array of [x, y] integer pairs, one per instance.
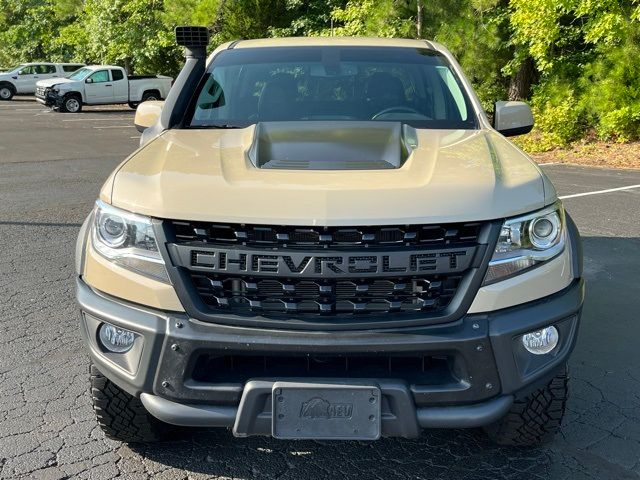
{"points": [[7, 91], [535, 419], [150, 96], [133, 105], [122, 416], [71, 104]]}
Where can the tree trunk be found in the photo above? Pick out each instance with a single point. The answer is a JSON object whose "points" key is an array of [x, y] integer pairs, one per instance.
{"points": [[127, 66], [520, 83], [419, 18], [218, 23]]}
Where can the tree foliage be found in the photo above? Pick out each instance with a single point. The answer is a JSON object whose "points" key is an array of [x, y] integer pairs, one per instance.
{"points": [[576, 61]]}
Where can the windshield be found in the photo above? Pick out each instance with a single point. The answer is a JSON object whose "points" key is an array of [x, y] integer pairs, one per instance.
{"points": [[13, 69], [80, 74], [408, 85]]}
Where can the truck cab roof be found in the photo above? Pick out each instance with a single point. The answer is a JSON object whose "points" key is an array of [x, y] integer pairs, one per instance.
{"points": [[327, 42], [332, 41], [100, 67]]}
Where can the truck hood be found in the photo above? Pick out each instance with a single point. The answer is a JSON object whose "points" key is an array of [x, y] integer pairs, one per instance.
{"points": [[50, 82], [448, 176]]}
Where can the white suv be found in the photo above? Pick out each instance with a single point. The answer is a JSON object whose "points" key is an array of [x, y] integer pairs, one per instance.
{"points": [[22, 79]]}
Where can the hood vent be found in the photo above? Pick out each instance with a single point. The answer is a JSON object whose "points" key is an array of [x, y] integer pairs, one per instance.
{"points": [[312, 145]]}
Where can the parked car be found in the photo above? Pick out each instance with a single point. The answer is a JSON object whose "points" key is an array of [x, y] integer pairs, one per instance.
{"points": [[23, 78], [101, 85], [326, 238]]}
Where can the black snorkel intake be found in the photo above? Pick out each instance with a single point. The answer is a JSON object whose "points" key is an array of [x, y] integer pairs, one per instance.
{"points": [[195, 41]]}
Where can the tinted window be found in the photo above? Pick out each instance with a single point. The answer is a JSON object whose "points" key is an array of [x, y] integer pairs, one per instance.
{"points": [[30, 70], [117, 75], [100, 76], [414, 86], [71, 68], [45, 69]]}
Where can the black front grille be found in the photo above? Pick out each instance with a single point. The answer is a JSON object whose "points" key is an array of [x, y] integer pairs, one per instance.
{"points": [[271, 273], [325, 237], [325, 296]]}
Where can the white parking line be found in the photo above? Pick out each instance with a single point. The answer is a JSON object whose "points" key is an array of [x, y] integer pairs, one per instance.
{"points": [[598, 192], [114, 126], [549, 163]]}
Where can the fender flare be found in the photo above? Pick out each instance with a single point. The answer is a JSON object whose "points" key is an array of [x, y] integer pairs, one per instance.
{"points": [[81, 244], [151, 90], [74, 93], [8, 83]]}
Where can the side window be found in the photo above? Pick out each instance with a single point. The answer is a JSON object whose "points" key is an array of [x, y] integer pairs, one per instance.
{"points": [[45, 69], [100, 76], [70, 68], [30, 70], [117, 75]]}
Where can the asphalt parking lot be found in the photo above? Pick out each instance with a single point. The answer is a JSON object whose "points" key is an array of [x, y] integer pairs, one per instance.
{"points": [[51, 167]]}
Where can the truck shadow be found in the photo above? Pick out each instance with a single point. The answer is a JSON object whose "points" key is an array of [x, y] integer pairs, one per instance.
{"points": [[460, 454], [109, 110]]}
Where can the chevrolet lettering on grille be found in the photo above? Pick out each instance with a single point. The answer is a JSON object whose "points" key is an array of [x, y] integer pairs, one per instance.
{"points": [[327, 264]]}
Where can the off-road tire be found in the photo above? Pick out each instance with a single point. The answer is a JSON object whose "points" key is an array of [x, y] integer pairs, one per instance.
{"points": [[133, 105], [67, 98], [8, 91], [122, 416], [533, 420]]}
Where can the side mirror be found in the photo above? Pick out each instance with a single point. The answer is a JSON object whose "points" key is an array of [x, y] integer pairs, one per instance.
{"points": [[512, 118], [89, 80], [147, 114]]}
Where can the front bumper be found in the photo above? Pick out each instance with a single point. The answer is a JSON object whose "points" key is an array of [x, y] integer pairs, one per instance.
{"points": [[49, 99], [479, 364]]}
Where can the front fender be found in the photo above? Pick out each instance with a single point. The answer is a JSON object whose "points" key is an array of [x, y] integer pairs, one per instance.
{"points": [[5, 83], [73, 92]]}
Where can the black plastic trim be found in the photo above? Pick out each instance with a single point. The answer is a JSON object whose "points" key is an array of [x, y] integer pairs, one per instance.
{"points": [[577, 254], [487, 344], [400, 419], [512, 132]]}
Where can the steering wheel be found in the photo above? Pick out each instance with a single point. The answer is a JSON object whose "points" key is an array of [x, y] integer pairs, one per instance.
{"points": [[396, 110]]}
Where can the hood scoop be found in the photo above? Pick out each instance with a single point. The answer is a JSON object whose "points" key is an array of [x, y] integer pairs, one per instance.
{"points": [[322, 145]]}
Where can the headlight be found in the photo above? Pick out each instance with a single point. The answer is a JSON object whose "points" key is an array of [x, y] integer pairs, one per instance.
{"points": [[127, 240], [526, 242]]}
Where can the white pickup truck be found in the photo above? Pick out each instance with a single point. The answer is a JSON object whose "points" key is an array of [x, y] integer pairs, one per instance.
{"points": [[22, 79], [101, 85]]}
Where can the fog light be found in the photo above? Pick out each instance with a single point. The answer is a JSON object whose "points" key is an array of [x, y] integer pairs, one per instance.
{"points": [[117, 340], [541, 341]]}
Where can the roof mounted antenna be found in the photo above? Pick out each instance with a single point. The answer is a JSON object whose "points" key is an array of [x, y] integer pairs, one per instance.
{"points": [[194, 40]]}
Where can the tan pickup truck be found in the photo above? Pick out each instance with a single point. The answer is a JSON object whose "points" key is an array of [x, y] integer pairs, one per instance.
{"points": [[326, 238]]}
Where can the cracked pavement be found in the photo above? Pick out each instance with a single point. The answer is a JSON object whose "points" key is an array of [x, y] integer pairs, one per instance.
{"points": [[50, 173]]}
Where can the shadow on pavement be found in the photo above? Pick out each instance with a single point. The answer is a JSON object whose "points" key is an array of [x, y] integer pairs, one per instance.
{"points": [[438, 454]]}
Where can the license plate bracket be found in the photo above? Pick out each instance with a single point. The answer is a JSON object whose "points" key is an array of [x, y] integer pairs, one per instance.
{"points": [[325, 411]]}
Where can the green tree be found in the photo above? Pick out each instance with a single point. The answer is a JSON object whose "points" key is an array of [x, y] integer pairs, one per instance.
{"points": [[130, 33]]}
